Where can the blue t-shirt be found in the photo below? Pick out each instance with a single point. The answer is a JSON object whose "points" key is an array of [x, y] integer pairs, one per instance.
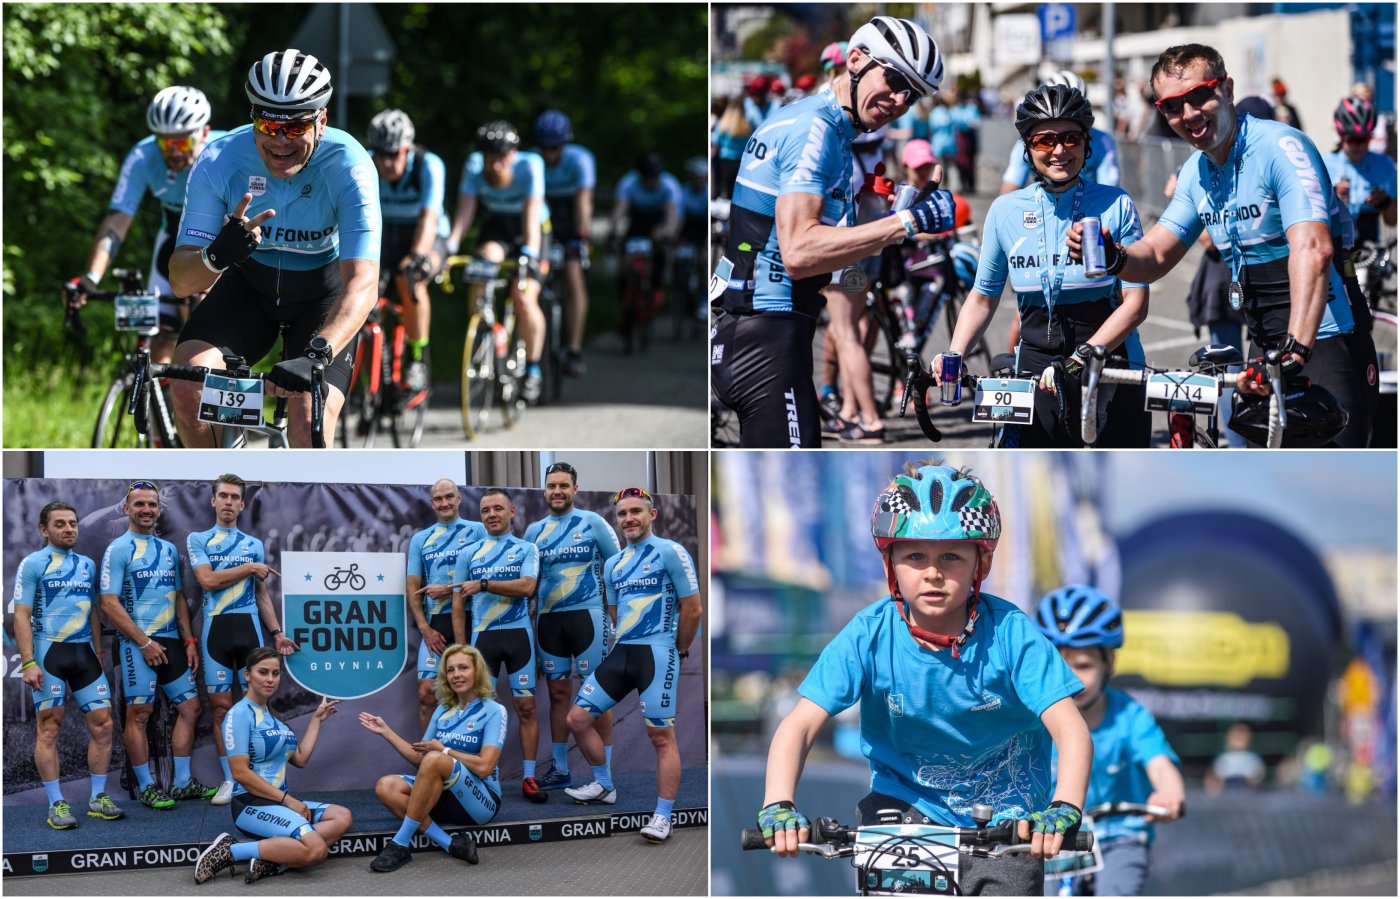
{"points": [[1101, 167], [647, 581], [942, 733], [221, 549], [144, 571], [1024, 235], [941, 136], [58, 584], [572, 549], [482, 723], [1281, 182], [526, 183], [729, 146], [576, 171], [422, 186], [1373, 171], [432, 554], [251, 730], [144, 170], [327, 211], [503, 558], [649, 199]]}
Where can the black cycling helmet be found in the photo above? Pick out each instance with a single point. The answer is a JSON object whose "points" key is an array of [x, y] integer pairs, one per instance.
{"points": [[497, 137], [1053, 101], [649, 165], [1314, 416], [1255, 106], [1355, 117]]}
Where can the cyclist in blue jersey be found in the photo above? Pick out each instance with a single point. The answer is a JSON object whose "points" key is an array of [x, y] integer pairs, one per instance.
{"points": [[497, 575], [570, 176], [509, 185], [458, 781], [1100, 165], [653, 595], [1133, 762], [788, 231], [1061, 309], [281, 226], [960, 699], [284, 831], [571, 624], [143, 597], [231, 568], [1259, 187], [59, 637], [178, 117], [695, 223], [649, 199], [412, 183], [1363, 180], [432, 555]]}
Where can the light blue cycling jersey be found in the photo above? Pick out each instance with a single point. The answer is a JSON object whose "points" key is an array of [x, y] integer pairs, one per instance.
{"points": [[757, 115], [649, 199], [327, 211], [803, 148], [575, 171], [526, 182], [144, 170], [432, 554], [1374, 171], [695, 203], [1023, 238], [221, 549], [1126, 739], [1281, 182], [572, 548], [482, 723], [729, 146], [503, 558], [1101, 167], [422, 186], [945, 733], [251, 730], [58, 584], [647, 581], [144, 572]]}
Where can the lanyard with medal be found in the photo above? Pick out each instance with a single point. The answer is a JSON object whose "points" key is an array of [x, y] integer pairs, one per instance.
{"points": [[1231, 223], [1052, 291]]}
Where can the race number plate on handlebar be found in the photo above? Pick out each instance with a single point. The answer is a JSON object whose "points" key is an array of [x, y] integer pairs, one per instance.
{"points": [[1004, 401], [139, 312], [907, 858], [481, 271], [1181, 391], [237, 402]]}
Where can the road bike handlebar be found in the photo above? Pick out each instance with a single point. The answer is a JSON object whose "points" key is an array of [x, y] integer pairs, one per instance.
{"points": [[1114, 809], [989, 841], [132, 282]]}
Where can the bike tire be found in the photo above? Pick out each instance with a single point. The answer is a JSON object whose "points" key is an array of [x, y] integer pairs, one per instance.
{"points": [[361, 411], [108, 427], [478, 376], [887, 369], [512, 402], [161, 412]]}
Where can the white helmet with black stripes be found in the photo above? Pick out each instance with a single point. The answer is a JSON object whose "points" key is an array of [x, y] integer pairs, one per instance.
{"points": [[904, 45]]}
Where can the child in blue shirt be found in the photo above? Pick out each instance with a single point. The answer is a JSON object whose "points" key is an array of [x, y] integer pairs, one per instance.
{"points": [[959, 696], [1132, 760]]}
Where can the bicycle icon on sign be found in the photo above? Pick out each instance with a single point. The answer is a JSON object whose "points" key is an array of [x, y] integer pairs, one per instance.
{"points": [[342, 576]]}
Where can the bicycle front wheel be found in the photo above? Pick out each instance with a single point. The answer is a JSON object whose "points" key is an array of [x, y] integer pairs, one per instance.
{"points": [[360, 425], [478, 375], [886, 359], [109, 431]]}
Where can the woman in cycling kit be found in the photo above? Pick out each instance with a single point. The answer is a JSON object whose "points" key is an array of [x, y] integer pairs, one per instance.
{"points": [[1363, 180], [286, 832], [281, 225], [1062, 309]]}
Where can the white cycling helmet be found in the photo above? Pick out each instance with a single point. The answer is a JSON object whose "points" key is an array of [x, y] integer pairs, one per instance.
{"points": [[177, 110], [289, 81], [904, 45], [1069, 79], [390, 131]]}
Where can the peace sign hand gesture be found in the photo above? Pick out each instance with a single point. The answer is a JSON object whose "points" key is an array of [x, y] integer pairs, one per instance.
{"points": [[238, 238]]}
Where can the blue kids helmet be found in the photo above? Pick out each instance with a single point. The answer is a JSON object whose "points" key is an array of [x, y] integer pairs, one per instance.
{"points": [[1078, 616], [937, 502]]}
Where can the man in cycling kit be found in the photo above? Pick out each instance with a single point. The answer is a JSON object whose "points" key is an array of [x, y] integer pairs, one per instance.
{"points": [[510, 186], [143, 597], [232, 570], [1261, 190], [432, 554], [1363, 180], [1101, 166], [570, 175], [571, 625], [695, 226], [314, 267], [789, 230], [179, 121], [649, 199], [412, 183], [652, 593], [58, 633]]}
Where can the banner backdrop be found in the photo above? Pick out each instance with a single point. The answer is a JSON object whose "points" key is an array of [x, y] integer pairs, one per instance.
{"points": [[364, 520]]}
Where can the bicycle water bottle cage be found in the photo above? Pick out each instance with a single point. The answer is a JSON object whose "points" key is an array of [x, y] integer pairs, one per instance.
{"points": [[1216, 355], [638, 246], [481, 271]]}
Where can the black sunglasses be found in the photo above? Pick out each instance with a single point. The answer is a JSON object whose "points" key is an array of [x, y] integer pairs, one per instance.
{"points": [[142, 485], [899, 85]]}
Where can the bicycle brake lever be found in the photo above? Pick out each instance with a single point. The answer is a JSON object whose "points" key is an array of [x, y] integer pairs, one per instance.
{"points": [[1273, 364], [915, 366]]}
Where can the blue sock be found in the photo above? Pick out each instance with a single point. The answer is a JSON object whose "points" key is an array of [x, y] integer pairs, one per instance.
{"points": [[241, 852], [182, 770], [533, 370], [406, 831], [52, 791], [99, 784], [603, 776], [438, 835], [223, 763], [143, 775], [529, 767], [607, 757], [561, 757], [663, 806]]}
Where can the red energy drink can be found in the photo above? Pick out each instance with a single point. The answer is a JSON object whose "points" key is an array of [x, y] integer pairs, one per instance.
{"points": [[950, 378]]}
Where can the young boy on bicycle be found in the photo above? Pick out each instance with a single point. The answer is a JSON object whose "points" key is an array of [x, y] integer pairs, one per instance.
{"points": [[1132, 760], [960, 697]]}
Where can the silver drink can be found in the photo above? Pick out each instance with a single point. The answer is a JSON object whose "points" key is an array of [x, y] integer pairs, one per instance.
{"points": [[904, 196], [1094, 266]]}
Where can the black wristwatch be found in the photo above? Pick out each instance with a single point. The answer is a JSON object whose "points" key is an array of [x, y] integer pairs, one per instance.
{"points": [[1291, 345], [686, 654], [275, 631], [483, 586], [320, 349]]}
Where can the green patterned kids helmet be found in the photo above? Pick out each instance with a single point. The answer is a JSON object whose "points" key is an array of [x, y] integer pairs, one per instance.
{"points": [[936, 503]]}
